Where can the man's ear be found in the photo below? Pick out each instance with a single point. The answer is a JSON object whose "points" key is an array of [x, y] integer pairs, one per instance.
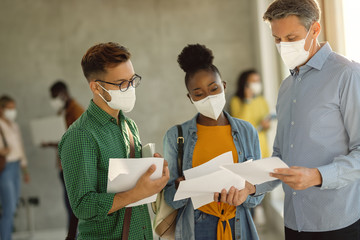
{"points": [[188, 95], [224, 84], [316, 29], [94, 87]]}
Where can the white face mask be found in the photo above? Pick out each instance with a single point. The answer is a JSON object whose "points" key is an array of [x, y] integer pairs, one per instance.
{"points": [[211, 106], [293, 53], [256, 88], [10, 114], [56, 103], [124, 101]]}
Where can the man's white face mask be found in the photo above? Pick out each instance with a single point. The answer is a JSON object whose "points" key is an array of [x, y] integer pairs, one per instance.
{"points": [[124, 101], [57, 103], [211, 106], [293, 53]]}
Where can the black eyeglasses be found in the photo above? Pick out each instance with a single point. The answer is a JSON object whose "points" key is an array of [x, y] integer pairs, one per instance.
{"points": [[124, 85]]}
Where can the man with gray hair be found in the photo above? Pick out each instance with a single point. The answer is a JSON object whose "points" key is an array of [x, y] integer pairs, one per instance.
{"points": [[318, 134]]}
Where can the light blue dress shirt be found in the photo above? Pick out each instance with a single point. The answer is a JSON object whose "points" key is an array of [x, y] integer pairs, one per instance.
{"points": [[318, 112]]}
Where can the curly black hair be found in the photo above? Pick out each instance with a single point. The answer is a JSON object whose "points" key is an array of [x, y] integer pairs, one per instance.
{"points": [[195, 57]]}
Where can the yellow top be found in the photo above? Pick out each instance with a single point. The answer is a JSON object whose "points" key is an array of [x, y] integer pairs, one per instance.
{"points": [[254, 112], [213, 141]]}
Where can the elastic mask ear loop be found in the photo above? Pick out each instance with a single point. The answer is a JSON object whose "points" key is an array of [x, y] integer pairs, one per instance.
{"points": [[311, 40], [105, 91]]}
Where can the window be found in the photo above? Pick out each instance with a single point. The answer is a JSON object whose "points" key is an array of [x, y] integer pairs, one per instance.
{"points": [[351, 9]]}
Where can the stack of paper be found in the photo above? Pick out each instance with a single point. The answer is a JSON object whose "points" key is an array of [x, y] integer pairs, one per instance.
{"points": [[124, 173], [222, 173]]}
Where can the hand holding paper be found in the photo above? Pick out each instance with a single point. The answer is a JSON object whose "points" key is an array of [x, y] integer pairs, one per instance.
{"points": [[125, 174], [298, 178], [221, 173], [256, 172]]}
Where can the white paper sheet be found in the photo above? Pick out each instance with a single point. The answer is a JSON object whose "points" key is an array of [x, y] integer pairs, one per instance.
{"points": [[47, 129], [256, 172], [210, 166], [203, 181], [124, 173], [205, 186]]}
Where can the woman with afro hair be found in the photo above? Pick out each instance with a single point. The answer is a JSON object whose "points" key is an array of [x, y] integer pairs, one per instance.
{"points": [[210, 133]]}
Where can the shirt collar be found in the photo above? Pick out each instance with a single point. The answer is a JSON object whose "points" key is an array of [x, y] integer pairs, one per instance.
{"points": [[100, 115], [318, 60]]}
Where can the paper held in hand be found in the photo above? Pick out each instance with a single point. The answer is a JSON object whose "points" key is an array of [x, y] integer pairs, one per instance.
{"points": [[222, 173], [125, 172]]}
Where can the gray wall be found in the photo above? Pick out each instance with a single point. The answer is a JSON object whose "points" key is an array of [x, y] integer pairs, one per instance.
{"points": [[42, 40]]}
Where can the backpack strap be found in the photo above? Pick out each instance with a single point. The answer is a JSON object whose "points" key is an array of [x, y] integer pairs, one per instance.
{"points": [[180, 146]]}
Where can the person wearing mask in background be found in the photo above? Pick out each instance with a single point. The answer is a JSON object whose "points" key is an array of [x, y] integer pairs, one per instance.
{"points": [[67, 106], [248, 104], [210, 133], [101, 133], [11, 146], [318, 136]]}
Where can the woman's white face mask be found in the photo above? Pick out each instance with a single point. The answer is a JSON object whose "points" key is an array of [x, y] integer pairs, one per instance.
{"points": [[124, 101], [293, 53], [10, 114], [211, 106]]}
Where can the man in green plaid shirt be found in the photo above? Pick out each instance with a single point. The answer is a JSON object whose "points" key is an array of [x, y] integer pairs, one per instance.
{"points": [[102, 133]]}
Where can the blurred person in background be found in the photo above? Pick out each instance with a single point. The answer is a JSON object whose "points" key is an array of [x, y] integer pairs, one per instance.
{"points": [[11, 146], [249, 104], [67, 106]]}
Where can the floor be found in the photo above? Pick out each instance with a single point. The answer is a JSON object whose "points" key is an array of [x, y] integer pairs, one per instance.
{"points": [[59, 234]]}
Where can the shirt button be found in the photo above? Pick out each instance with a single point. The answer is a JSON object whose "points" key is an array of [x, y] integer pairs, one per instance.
{"points": [[299, 78], [292, 123], [294, 101], [144, 227], [294, 193], [292, 145]]}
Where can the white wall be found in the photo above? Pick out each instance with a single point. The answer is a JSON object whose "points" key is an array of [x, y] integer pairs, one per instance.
{"points": [[42, 40]]}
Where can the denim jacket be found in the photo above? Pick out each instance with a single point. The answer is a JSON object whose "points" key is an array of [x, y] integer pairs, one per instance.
{"points": [[247, 145]]}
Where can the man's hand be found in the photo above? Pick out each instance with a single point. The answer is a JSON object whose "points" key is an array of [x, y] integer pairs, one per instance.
{"points": [[235, 196], [298, 178], [145, 187]]}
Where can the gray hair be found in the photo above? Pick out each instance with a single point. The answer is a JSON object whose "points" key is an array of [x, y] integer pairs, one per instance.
{"points": [[308, 11]]}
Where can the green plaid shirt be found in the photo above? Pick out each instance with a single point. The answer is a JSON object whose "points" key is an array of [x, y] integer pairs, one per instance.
{"points": [[85, 150]]}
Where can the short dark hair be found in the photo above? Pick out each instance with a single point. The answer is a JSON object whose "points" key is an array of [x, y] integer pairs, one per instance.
{"points": [[58, 86], [308, 11], [102, 56], [4, 100], [242, 82]]}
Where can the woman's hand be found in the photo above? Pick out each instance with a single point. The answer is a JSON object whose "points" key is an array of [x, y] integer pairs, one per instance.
{"points": [[178, 180], [235, 196]]}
